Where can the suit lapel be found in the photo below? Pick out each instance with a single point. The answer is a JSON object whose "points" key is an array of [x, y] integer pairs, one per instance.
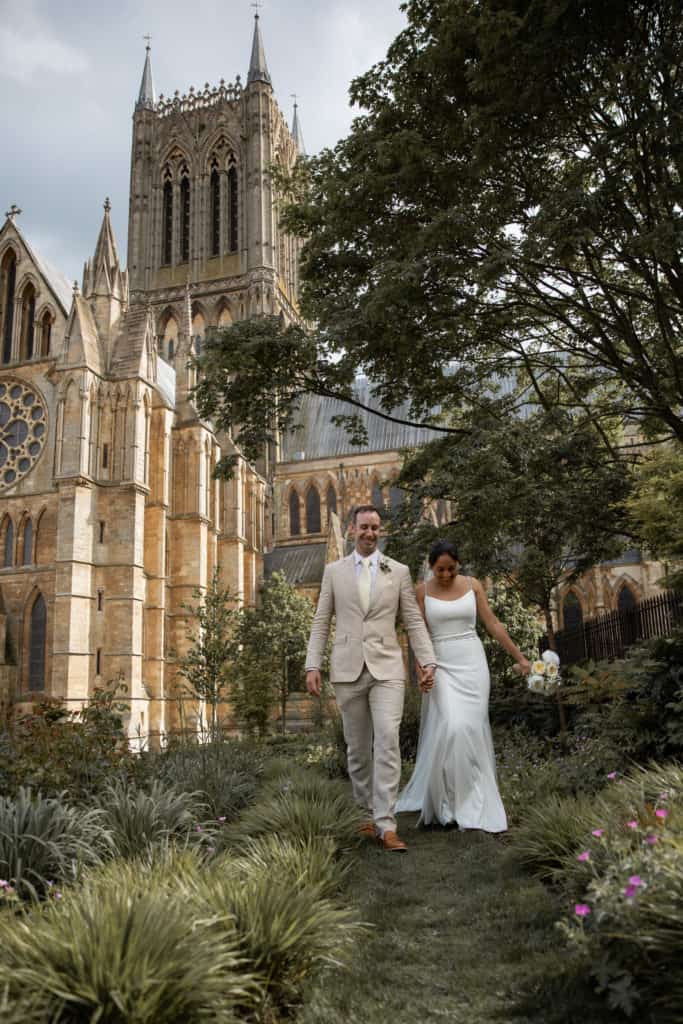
{"points": [[351, 582]]}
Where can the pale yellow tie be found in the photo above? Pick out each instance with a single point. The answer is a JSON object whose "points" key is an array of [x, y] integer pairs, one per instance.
{"points": [[364, 584]]}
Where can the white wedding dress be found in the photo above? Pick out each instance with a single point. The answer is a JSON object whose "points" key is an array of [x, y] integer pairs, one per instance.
{"points": [[455, 772]]}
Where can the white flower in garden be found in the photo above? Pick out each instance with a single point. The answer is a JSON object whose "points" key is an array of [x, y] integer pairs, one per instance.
{"points": [[551, 658], [538, 667], [535, 682], [552, 671]]}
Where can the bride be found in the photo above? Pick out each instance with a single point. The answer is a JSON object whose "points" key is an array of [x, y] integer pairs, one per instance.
{"points": [[455, 774]]}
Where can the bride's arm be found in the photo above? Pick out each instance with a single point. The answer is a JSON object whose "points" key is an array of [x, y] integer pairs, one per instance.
{"points": [[496, 628]]}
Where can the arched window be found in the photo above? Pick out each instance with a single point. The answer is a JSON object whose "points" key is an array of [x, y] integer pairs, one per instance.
{"points": [[331, 501], [233, 206], [45, 334], [36, 656], [626, 601], [8, 549], [396, 498], [294, 518], [377, 496], [167, 224], [184, 220], [572, 612], [8, 279], [170, 339], [28, 322], [313, 510], [215, 211], [27, 547]]}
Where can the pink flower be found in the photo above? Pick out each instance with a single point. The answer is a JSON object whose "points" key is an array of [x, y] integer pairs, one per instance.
{"points": [[651, 840], [222, 819], [586, 855], [199, 828], [4, 884], [632, 824], [630, 891], [611, 775], [582, 909], [635, 880], [661, 812], [664, 796], [598, 832]]}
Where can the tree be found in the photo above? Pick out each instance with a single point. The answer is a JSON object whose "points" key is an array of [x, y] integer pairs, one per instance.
{"points": [[655, 509], [269, 650], [508, 203], [537, 502], [204, 665]]}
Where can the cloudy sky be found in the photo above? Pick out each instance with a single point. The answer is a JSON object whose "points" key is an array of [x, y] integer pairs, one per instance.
{"points": [[70, 72]]}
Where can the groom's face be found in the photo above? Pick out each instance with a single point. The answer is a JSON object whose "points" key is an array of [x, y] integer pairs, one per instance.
{"points": [[366, 531]]}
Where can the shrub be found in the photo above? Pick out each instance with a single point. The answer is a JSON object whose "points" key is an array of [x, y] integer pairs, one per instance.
{"points": [[118, 953], [53, 749], [286, 930], [226, 774], [549, 832], [44, 841], [310, 862], [137, 818]]}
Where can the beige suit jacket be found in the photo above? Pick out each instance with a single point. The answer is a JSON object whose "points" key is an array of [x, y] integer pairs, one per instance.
{"points": [[368, 638]]}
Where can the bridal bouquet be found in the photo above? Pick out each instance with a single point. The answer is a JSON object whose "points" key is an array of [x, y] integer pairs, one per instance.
{"points": [[545, 673]]}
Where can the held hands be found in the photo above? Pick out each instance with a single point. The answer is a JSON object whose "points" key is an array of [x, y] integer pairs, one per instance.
{"points": [[426, 678], [313, 682]]}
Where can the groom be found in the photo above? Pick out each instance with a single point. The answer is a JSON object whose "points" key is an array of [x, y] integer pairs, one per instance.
{"points": [[364, 592]]}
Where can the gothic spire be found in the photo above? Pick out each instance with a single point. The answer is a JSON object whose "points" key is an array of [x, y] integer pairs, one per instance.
{"points": [[146, 100], [258, 69], [103, 275], [297, 134]]}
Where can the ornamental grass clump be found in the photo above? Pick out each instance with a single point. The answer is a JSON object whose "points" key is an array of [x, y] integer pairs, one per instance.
{"points": [[226, 775], [45, 842], [277, 894], [549, 832], [116, 953], [138, 818], [316, 810]]}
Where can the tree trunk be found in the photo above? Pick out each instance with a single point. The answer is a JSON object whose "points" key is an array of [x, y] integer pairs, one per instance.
{"points": [[283, 698], [552, 644]]}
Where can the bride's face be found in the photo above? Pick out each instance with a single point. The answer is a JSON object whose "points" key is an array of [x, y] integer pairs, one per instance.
{"points": [[445, 570]]}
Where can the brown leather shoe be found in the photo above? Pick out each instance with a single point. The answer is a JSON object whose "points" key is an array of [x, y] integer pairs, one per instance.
{"points": [[390, 841], [367, 830]]}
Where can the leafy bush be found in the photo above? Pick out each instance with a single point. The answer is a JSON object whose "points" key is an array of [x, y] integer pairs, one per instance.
{"points": [[633, 707], [620, 857], [53, 749], [118, 953], [44, 841], [137, 818]]}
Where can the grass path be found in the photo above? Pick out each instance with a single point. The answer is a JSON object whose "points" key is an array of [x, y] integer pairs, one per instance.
{"points": [[459, 933]]}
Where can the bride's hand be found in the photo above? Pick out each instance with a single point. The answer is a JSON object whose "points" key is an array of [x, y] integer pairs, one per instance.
{"points": [[523, 667]]}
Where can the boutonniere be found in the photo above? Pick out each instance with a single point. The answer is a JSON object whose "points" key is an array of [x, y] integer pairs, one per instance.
{"points": [[384, 566]]}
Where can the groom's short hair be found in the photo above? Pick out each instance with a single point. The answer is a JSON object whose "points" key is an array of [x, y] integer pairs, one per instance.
{"points": [[364, 508]]}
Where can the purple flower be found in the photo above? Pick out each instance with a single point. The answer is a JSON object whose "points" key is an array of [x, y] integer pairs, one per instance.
{"points": [[651, 840], [582, 909], [630, 891], [611, 775], [635, 880], [661, 812], [586, 855], [598, 832], [199, 828], [632, 824]]}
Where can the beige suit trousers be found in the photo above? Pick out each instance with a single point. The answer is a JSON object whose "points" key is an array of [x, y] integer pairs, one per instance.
{"points": [[371, 712]]}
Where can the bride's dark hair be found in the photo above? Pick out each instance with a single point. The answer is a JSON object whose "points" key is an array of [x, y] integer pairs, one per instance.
{"points": [[442, 547]]}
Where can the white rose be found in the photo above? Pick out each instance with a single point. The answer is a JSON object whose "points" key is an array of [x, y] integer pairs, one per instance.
{"points": [[552, 671], [537, 668], [551, 658], [535, 682]]}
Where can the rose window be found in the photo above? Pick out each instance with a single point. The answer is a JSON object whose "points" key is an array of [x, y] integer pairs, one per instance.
{"points": [[23, 430]]}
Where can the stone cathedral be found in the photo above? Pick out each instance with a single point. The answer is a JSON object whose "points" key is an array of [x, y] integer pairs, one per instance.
{"points": [[110, 517]]}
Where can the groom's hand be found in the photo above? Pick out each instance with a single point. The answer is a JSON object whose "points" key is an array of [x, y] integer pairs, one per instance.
{"points": [[427, 680], [313, 682]]}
